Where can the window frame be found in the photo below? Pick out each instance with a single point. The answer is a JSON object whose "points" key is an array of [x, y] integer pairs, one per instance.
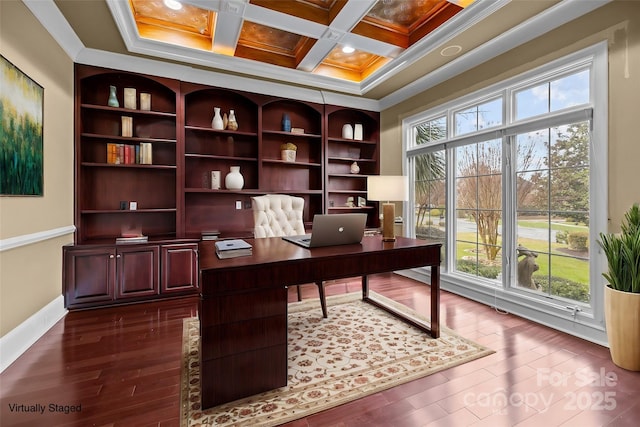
{"points": [[586, 322]]}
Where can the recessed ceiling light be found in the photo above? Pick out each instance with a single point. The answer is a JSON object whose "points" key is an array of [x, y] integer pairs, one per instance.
{"points": [[451, 50], [173, 4], [348, 49]]}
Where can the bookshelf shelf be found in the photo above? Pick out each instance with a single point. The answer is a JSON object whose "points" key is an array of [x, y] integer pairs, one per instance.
{"points": [[354, 142], [291, 134], [126, 211], [348, 176], [130, 139], [347, 192], [131, 165], [292, 164], [347, 208], [120, 110]]}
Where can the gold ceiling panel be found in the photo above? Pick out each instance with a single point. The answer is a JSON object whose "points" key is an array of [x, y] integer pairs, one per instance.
{"points": [[354, 66], [271, 45], [189, 27], [402, 23], [189, 19]]}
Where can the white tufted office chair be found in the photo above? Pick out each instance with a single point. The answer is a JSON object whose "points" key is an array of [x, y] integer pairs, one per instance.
{"points": [[276, 215]]}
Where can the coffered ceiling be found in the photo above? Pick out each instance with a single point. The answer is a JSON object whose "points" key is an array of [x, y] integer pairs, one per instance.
{"points": [[368, 48], [335, 38]]}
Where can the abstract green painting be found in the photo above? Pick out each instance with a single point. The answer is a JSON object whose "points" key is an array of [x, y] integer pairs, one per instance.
{"points": [[21, 141]]}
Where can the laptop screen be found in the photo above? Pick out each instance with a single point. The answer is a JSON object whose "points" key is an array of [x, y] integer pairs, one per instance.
{"points": [[334, 229]]}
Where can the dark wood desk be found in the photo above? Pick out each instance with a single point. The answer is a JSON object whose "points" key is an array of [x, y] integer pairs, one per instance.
{"points": [[243, 304]]}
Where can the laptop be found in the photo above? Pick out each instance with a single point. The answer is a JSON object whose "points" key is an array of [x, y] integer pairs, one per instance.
{"points": [[331, 230]]}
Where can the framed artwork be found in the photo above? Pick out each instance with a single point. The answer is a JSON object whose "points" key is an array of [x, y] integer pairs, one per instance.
{"points": [[21, 141]]}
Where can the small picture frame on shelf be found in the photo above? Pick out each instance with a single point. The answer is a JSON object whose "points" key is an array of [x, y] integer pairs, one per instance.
{"points": [[145, 101], [123, 205], [130, 98], [215, 180], [362, 202], [133, 206], [357, 132]]}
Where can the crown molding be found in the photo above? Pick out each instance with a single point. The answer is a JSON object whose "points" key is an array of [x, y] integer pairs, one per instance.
{"points": [[55, 23]]}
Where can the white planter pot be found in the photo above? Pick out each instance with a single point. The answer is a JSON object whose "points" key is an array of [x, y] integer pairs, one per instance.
{"points": [[288, 155]]}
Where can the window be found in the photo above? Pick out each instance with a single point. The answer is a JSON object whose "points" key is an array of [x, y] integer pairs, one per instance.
{"points": [[505, 179]]}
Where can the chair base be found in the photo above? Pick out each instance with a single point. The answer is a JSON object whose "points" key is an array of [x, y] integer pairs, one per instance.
{"points": [[323, 300]]}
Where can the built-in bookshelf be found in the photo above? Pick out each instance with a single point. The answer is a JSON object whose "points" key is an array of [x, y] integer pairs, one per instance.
{"points": [[207, 150], [153, 165], [304, 176], [106, 184], [350, 157]]}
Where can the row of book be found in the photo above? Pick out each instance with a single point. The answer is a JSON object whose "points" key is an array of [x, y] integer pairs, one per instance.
{"points": [[129, 154], [231, 248]]}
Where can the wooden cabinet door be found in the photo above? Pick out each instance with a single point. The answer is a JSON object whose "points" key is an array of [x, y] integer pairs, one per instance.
{"points": [[179, 267], [89, 276], [138, 271]]}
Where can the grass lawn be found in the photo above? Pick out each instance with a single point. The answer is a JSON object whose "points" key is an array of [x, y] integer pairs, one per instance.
{"points": [[566, 267], [558, 226]]}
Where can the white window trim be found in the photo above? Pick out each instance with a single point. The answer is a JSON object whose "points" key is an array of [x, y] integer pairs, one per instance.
{"points": [[585, 324]]}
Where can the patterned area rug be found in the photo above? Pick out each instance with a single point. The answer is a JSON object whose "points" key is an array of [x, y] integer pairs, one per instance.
{"points": [[359, 350]]}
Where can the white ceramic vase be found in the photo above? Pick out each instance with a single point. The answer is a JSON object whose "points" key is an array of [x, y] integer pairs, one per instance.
{"points": [[347, 131], [234, 179], [217, 122]]}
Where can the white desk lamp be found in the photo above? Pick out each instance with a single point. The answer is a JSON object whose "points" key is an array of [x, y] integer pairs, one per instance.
{"points": [[388, 188]]}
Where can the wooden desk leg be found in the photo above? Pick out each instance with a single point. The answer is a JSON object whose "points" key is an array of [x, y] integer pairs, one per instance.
{"points": [[435, 301], [365, 288]]}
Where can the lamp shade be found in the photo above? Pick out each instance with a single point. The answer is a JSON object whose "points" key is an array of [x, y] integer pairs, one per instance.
{"points": [[388, 188]]}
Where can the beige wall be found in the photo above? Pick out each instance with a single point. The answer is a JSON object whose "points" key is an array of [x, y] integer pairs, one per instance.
{"points": [[619, 24], [31, 275]]}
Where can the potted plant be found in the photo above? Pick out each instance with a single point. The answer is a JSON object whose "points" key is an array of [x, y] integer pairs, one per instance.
{"points": [[622, 294], [288, 152]]}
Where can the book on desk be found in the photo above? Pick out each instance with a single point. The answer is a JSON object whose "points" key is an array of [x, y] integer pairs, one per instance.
{"points": [[232, 248]]}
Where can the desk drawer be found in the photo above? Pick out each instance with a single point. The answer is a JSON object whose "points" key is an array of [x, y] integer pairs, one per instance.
{"points": [[228, 308], [238, 337], [230, 378]]}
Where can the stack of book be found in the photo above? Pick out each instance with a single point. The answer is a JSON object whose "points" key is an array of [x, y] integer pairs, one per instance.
{"points": [[132, 239], [210, 235], [232, 248]]}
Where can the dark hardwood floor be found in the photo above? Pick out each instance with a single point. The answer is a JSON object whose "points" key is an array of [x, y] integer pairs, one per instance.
{"points": [[121, 367]]}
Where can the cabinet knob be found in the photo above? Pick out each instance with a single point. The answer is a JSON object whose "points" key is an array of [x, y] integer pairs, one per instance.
{"points": [[111, 256], [118, 256]]}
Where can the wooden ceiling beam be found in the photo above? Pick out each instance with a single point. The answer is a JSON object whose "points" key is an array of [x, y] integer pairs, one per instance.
{"points": [[300, 9]]}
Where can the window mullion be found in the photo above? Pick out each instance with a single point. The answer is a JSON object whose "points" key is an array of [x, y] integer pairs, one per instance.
{"points": [[509, 213]]}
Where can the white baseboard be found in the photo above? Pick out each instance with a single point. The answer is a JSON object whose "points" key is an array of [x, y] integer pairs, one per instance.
{"points": [[18, 340]]}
